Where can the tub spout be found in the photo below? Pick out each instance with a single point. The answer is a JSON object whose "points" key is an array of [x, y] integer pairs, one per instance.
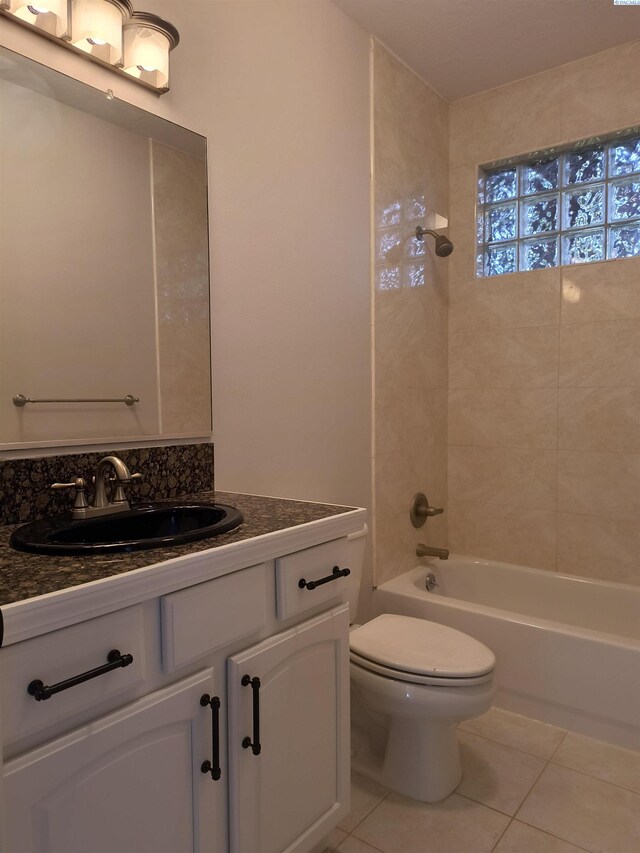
{"points": [[428, 551]]}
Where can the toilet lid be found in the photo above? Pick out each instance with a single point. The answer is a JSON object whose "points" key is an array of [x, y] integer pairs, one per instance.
{"points": [[418, 646]]}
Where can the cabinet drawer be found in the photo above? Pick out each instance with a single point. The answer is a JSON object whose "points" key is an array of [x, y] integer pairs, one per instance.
{"points": [[209, 615], [312, 564], [61, 655]]}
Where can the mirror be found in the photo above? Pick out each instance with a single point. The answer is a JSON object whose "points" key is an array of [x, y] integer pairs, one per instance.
{"points": [[104, 267]]}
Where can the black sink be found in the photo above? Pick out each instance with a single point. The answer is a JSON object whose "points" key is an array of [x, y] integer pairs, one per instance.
{"points": [[146, 526]]}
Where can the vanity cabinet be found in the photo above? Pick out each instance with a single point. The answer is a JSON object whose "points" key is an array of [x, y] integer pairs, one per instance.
{"points": [[287, 787], [127, 782], [136, 776]]}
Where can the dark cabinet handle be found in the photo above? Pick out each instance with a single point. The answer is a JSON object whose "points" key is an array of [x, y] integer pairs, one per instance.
{"points": [[39, 691], [213, 766], [255, 687], [336, 573]]}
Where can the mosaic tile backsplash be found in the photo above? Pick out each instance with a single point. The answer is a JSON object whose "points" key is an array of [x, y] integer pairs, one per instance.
{"points": [[168, 472]]}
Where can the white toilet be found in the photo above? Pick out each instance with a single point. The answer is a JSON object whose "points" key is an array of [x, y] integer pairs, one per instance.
{"points": [[413, 681]]}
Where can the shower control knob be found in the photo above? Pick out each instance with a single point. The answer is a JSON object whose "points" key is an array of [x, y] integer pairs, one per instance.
{"points": [[420, 510]]}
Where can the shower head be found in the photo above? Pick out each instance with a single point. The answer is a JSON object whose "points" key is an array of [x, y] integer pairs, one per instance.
{"points": [[444, 246]]}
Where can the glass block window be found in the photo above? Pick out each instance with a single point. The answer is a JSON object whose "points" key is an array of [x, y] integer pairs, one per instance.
{"points": [[575, 207]]}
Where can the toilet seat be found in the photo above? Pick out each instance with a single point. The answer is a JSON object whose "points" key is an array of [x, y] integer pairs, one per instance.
{"points": [[420, 652], [413, 678]]}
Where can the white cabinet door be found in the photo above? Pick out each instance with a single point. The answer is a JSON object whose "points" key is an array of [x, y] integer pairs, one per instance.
{"points": [[129, 782], [293, 792]]}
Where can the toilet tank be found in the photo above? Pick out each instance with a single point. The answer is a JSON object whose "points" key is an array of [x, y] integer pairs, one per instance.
{"points": [[357, 544]]}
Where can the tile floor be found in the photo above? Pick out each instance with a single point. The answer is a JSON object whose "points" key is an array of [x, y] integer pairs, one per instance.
{"points": [[527, 787]]}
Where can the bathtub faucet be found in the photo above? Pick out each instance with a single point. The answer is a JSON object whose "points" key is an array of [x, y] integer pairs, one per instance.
{"points": [[428, 551]]}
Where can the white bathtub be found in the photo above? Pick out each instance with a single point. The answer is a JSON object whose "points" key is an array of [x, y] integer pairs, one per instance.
{"points": [[567, 648]]}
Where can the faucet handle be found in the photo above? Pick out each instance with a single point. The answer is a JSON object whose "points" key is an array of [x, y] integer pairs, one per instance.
{"points": [[77, 484], [113, 479], [119, 496], [420, 510], [432, 510], [80, 486]]}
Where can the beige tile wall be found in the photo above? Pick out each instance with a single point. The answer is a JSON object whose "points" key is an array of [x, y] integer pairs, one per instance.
{"points": [[544, 366], [410, 313], [182, 276]]}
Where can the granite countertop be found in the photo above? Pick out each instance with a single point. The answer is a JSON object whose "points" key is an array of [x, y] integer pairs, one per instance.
{"points": [[24, 575]]}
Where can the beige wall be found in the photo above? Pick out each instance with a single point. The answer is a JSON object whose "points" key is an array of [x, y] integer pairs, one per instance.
{"points": [[282, 92], [289, 145], [544, 366], [410, 317]]}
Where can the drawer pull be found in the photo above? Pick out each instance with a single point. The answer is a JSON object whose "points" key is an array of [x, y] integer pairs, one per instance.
{"points": [[213, 766], [39, 691], [255, 687], [337, 573]]}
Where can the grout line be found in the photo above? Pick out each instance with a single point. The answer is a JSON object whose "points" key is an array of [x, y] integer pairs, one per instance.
{"points": [[490, 331], [366, 815], [481, 803], [532, 786], [502, 834], [524, 507], [559, 837], [535, 447], [561, 741], [551, 835], [368, 843], [546, 764], [478, 803], [596, 778], [515, 748]]}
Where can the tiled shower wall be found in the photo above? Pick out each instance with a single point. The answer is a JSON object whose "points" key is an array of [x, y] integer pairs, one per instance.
{"points": [[544, 366], [182, 290], [410, 313]]}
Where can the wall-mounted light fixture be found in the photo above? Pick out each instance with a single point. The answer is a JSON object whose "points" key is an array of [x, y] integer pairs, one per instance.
{"points": [[49, 16], [96, 27], [108, 32], [147, 42]]}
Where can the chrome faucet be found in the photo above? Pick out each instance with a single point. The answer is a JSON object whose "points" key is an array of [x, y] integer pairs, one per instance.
{"points": [[101, 504], [428, 551]]}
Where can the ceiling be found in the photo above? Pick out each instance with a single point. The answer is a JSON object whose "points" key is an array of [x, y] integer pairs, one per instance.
{"points": [[460, 47]]}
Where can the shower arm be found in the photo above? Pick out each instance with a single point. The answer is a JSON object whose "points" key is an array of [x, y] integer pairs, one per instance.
{"points": [[420, 232]]}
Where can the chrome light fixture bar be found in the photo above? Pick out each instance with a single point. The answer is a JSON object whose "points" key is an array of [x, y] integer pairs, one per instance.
{"points": [[108, 32]]}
